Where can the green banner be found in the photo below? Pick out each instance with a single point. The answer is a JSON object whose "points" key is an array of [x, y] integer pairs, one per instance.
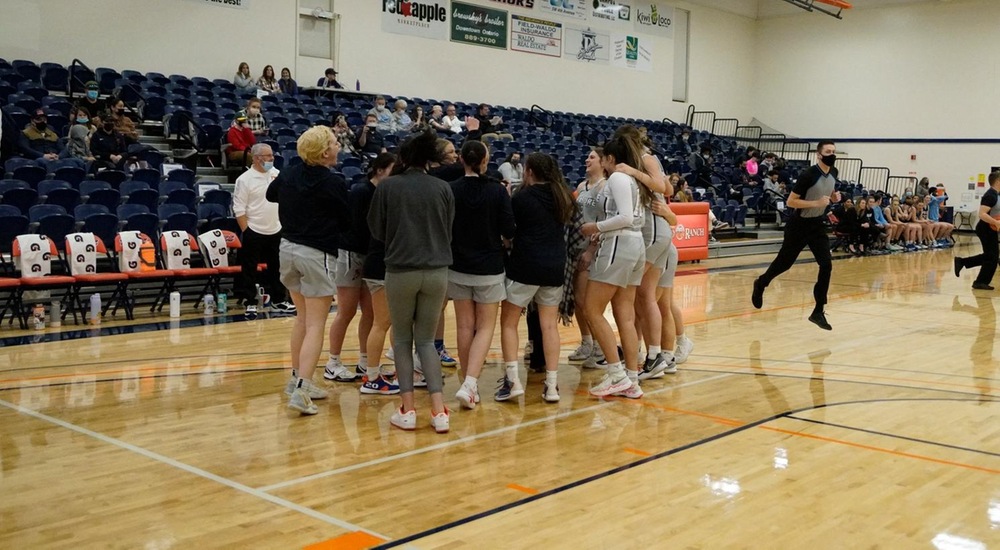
{"points": [[478, 25]]}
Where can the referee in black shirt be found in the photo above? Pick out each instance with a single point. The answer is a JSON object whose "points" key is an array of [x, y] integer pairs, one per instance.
{"points": [[986, 230], [811, 194]]}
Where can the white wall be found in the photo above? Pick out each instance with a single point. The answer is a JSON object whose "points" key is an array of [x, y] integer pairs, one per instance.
{"points": [[926, 70], [167, 36]]}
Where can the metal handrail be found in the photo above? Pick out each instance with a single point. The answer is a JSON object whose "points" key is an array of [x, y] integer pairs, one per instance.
{"points": [[537, 119]]}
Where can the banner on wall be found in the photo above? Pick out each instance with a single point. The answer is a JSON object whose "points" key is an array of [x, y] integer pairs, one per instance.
{"points": [[654, 18], [587, 45], [612, 12], [237, 4], [632, 52], [531, 35], [426, 19], [572, 9], [523, 4], [478, 25]]}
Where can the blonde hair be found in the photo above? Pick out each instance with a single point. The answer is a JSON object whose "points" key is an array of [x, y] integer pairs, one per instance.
{"points": [[313, 143]]}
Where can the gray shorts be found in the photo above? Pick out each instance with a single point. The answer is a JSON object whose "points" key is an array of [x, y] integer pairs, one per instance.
{"points": [[521, 294], [620, 260], [306, 270], [482, 289], [667, 277], [347, 270], [375, 285], [656, 253]]}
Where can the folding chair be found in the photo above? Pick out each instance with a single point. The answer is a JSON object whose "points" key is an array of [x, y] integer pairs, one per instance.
{"points": [[82, 250]]}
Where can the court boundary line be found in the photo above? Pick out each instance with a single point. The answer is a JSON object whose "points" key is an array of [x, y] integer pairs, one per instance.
{"points": [[467, 439], [846, 365], [618, 469], [895, 436], [157, 457]]}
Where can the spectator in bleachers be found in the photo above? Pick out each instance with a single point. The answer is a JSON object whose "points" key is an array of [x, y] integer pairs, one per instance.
{"points": [[371, 141], [451, 120], [923, 188], [91, 100], [436, 120], [769, 163], [941, 230], [258, 219], [420, 122], [848, 224], [287, 84], [701, 166], [267, 82], [383, 117], [243, 81], [329, 80], [683, 189], [512, 170], [108, 148], [78, 146], [401, 121], [241, 139], [124, 124], [882, 228], [684, 142], [38, 141], [343, 132], [255, 117], [490, 126]]}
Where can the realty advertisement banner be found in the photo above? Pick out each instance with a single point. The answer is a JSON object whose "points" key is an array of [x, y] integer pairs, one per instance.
{"points": [[587, 45], [531, 35], [478, 25], [427, 19]]}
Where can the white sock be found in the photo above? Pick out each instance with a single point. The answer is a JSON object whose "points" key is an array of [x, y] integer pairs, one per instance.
{"points": [[668, 355], [363, 360], [371, 372], [615, 370], [512, 370], [632, 375], [335, 358], [550, 377], [588, 340], [471, 382], [653, 352]]}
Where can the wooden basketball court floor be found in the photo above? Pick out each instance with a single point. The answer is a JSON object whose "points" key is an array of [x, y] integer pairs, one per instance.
{"points": [[883, 433]]}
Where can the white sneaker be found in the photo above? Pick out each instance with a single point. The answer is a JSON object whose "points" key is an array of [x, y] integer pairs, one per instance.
{"points": [[389, 354], [284, 307], [582, 353], [290, 386], [684, 348], [300, 402], [611, 384], [404, 421], [551, 393], [337, 372], [441, 421], [595, 362], [634, 392], [314, 391], [671, 366], [467, 397], [419, 381]]}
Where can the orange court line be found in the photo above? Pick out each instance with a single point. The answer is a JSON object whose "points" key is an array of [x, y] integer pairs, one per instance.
{"points": [[882, 450], [351, 541], [522, 488], [636, 452]]}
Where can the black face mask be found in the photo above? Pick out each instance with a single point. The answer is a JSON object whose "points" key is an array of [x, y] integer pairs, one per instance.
{"points": [[829, 160], [41, 126], [109, 127]]}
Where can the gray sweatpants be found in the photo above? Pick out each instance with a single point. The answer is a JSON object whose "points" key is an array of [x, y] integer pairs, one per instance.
{"points": [[415, 299]]}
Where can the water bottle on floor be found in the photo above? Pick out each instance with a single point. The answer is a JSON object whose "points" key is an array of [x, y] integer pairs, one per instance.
{"points": [[222, 304], [175, 304], [209, 304], [55, 314], [38, 317], [95, 309]]}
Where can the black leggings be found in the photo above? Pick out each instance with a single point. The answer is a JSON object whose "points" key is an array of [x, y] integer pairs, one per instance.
{"points": [[988, 259], [800, 233]]}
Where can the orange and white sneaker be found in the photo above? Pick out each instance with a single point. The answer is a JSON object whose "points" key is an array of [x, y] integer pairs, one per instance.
{"points": [[404, 420], [441, 421], [467, 397], [634, 392]]}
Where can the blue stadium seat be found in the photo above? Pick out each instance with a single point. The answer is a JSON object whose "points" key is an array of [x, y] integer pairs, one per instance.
{"points": [[146, 197], [146, 223], [105, 197], [39, 211], [131, 186], [29, 174], [186, 197], [182, 174], [72, 174], [148, 175], [221, 197], [23, 199], [103, 225], [47, 186], [82, 211], [114, 177], [6, 185], [68, 198]]}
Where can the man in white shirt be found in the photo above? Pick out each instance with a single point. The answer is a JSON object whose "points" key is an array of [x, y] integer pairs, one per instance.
{"points": [[261, 232], [452, 121], [512, 170]]}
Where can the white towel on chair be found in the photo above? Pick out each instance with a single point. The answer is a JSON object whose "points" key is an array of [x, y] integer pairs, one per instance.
{"points": [[128, 258], [214, 248], [177, 249], [36, 255], [82, 253]]}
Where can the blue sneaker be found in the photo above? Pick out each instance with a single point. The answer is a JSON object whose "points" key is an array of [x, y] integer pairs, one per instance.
{"points": [[508, 388], [380, 386], [446, 360]]}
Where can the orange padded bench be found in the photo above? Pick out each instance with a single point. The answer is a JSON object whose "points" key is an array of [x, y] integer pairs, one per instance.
{"points": [[691, 233]]}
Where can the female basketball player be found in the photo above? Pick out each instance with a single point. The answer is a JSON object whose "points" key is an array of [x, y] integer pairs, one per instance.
{"points": [[586, 200]]}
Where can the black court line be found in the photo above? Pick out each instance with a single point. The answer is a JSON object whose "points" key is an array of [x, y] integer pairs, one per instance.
{"points": [[144, 377], [624, 467], [895, 436]]}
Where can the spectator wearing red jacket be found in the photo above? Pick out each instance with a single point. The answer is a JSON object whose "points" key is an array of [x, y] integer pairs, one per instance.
{"points": [[241, 139]]}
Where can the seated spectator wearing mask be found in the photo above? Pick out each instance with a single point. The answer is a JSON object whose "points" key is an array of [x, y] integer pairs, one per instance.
{"points": [[371, 141], [38, 141], [108, 148], [78, 146], [123, 124], [452, 122], [330, 80], [241, 139], [92, 100], [401, 121], [243, 81], [512, 170], [267, 82], [287, 84], [383, 118], [684, 141], [701, 166], [420, 122], [255, 118], [490, 126]]}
